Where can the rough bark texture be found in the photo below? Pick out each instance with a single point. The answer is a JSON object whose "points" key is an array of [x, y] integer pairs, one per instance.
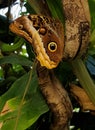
{"points": [[56, 97], [77, 27]]}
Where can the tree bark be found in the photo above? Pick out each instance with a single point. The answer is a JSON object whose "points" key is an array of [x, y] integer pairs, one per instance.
{"points": [[56, 97]]}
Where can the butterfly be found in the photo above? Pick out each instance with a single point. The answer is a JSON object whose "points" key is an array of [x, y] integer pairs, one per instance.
{"points": [[45, 34]]}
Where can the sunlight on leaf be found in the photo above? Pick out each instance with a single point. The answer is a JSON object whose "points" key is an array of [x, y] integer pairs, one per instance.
{"points": [[30, 110]]}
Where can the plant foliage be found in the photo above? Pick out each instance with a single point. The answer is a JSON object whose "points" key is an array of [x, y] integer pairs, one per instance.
{"points": [[21, 102]]}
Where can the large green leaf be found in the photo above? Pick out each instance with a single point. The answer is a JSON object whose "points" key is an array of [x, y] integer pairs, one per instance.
{"points": [[15, 59], [92, 12], [40, 7], [18, 42], [48, 8], [56, 9], [22, 109], [29, 113], [92, 38]]}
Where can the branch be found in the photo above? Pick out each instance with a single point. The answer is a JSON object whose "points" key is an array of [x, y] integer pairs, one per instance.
{"points": [[56, 97]]}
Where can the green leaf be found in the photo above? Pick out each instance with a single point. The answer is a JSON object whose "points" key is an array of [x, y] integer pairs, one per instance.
{"points": [[40, 7], [16, 89], [8, 48], [84, 78], [30, 112], [92, 13], [56, 9], [15, 59], [26, 112], [92, 38]]}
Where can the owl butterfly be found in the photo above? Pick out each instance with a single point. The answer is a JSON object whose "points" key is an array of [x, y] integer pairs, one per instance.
{"points": [[45, 35]]}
